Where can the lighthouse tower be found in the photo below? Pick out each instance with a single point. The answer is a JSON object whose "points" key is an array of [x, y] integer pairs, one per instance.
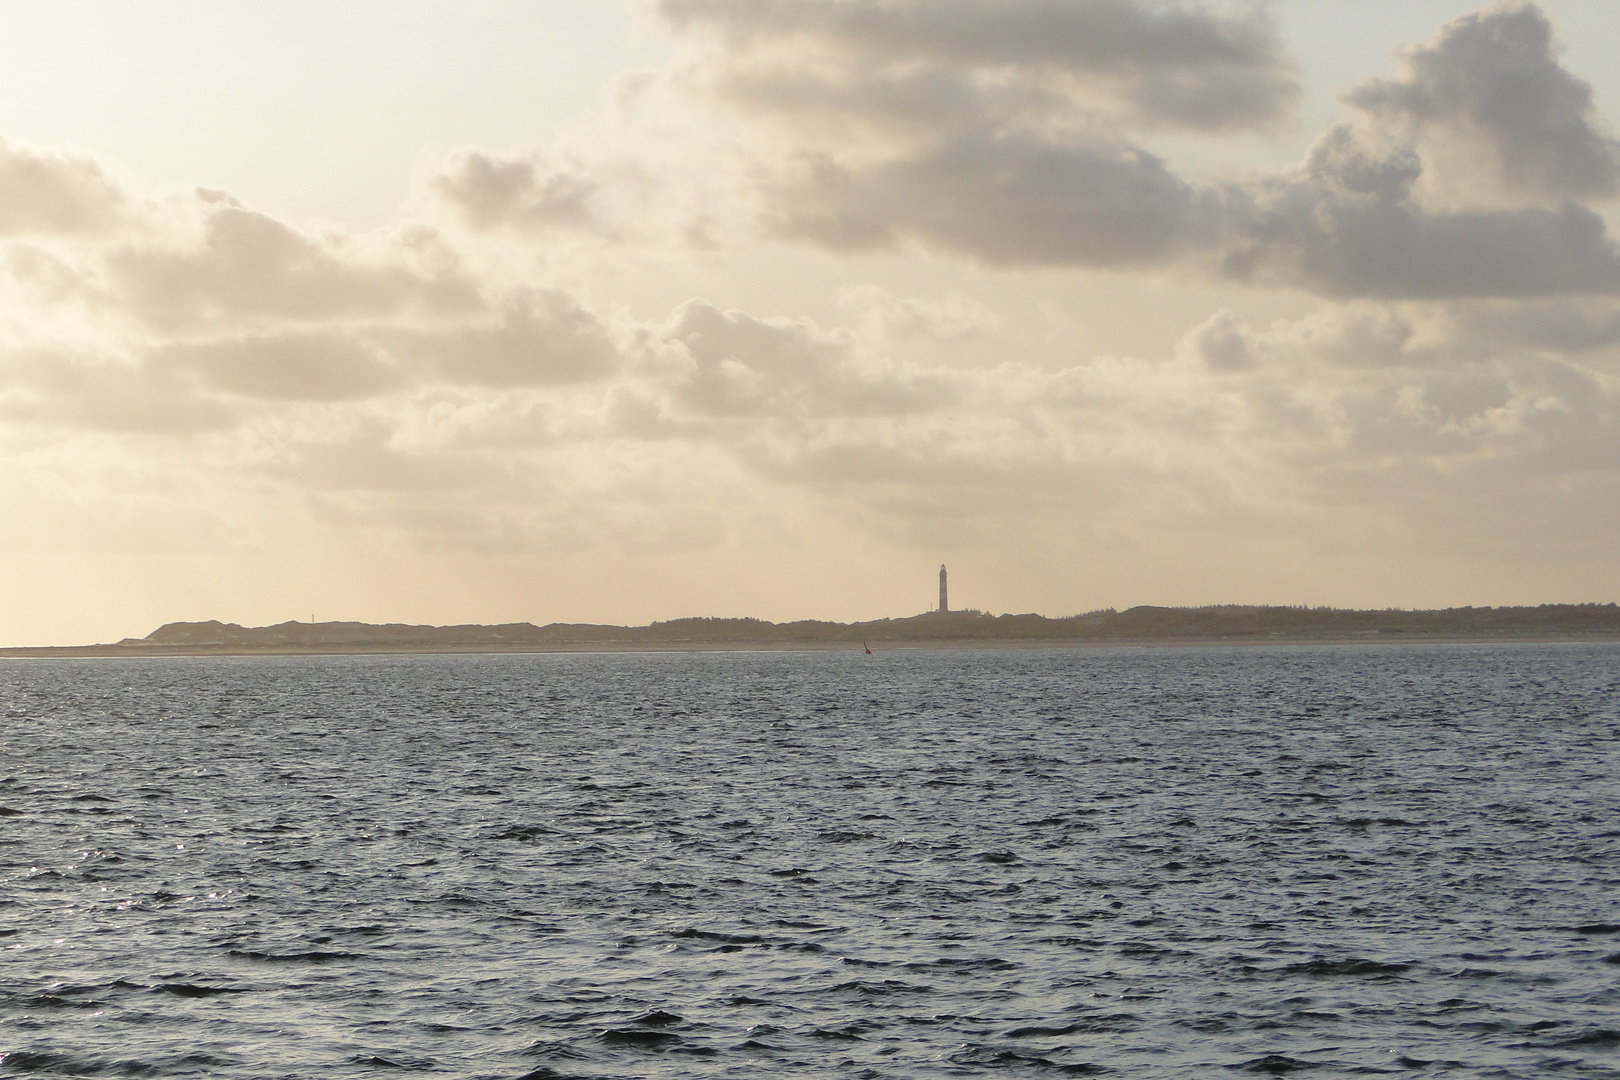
{"points": [[944, 606]]}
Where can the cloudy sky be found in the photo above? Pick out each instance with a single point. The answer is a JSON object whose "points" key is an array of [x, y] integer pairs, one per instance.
{"points": [[579, 310]]}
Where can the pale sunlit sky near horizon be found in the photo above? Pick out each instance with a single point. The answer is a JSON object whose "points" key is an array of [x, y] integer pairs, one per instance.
{"points": [[580, 310]]}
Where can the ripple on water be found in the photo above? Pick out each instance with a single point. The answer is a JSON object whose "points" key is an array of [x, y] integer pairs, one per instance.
{"points": [[1136, 863]]}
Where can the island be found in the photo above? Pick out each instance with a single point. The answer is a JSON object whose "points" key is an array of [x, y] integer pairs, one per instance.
{"points": [[1221, 624]]}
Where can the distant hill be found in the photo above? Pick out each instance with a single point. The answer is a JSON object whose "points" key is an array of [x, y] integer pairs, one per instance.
{"points": [[1139, 624]]}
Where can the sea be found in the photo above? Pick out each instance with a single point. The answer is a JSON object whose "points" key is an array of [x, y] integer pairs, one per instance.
{"points": [[1334, 861]]}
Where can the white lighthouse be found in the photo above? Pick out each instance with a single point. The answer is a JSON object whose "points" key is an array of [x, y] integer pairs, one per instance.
{"points": [[944, 605]]}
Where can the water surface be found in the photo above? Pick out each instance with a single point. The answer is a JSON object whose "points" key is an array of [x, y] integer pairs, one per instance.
{"points": [[1136, 863]]}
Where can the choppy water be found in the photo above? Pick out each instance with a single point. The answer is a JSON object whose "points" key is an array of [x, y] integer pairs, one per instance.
{"points": [[1187, 862]]}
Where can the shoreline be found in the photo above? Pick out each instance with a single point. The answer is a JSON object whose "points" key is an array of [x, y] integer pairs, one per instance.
{"points": [[137, 652]]}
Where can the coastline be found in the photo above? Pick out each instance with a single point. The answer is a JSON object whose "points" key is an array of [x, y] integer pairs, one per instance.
{"points": [[104, 652], [1139, 627]]}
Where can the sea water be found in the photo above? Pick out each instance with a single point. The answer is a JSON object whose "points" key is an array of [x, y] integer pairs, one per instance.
{"points": [[1124, 862]]}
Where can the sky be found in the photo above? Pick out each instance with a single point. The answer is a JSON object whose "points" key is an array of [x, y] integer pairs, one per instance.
{"points": [[445, 311]]}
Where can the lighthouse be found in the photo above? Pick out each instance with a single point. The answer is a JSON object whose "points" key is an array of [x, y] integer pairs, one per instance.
{"points": [[944, 605]]}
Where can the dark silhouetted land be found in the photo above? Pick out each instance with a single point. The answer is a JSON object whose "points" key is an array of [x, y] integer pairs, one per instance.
{"points": [[1230, 624]]}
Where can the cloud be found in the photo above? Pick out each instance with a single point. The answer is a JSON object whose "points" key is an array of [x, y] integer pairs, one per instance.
{"points": [[1182, 64], [246, 265], [1223, 342], [885, 316], [533, 338], [524, 192], [321, 366], [447, 425], [1347, 223], [441, 385], [989, 130], [1492, 80], [1361, 390], [206, 315], [730, 364], [1348, 414], [78, 389], [46, 193], [1557, 327], [1007, 200], [1013, 133], [1425, 338]]}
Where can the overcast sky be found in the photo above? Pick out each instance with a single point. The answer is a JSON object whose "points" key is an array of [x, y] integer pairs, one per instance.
{"points": [[576, 310]]}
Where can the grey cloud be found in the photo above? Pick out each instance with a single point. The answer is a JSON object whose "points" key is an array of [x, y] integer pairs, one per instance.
{"points": [[634, 413], [1569, 327], [975, 126], [1223, 342], [542, 339], [1189, 64], [52, 193], [521, 191], [740, 366], [1423, 338], [536, 338], [1347, 225], [1494, 76], [287, 367], [1341, 162], [927, 103], [942, 124], [1473, 331], [80, 389], [972, 125], [251, 266], [1010, 200], [220, 313], [1353, 221]]}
